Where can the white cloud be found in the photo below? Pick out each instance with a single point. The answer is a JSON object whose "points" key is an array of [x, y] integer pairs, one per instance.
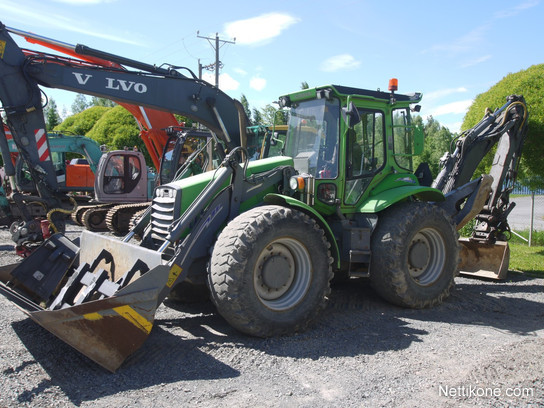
{"points": [[240, 71], [459, 107], [339, 62], [461, 44], [476, 61], [260, 29], [55, 21], [257, 83], [226, 82], [516, 9], [444, 92]]}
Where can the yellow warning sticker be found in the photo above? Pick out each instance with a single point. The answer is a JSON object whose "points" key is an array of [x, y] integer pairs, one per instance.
{"points": [[92, 316], [2, 48], [135, 318], [173, 275]]}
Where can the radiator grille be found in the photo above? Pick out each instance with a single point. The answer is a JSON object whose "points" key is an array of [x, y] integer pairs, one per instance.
{"points": [[163, 211]]}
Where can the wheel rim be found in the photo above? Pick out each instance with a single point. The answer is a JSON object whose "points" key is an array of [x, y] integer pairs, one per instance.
{"points": [[426, 256], [282, 274]]}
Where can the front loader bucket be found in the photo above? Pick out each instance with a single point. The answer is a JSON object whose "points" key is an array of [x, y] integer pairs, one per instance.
{"points": [[107, 331], [106, 320], [484, 260]]}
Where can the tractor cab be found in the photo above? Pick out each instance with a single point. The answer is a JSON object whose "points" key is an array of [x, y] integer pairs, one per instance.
{"points": [[349, 144]]}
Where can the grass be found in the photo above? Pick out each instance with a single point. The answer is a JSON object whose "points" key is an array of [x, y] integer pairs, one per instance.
{"points": [[527, 259], [523, 258], [536, 240]]}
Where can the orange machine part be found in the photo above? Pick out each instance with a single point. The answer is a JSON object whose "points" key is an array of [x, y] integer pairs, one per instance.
{"points": [[79, 175]]}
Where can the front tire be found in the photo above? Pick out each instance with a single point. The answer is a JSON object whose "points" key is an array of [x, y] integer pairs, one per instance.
{"points": [[415, 255], [270, 271]]}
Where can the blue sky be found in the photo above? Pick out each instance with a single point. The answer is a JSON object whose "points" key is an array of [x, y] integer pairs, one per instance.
{"points": [[449, 51]]}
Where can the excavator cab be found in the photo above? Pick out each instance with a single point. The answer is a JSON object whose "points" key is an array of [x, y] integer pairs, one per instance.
{"points": [[122, 176], [185, 145]]}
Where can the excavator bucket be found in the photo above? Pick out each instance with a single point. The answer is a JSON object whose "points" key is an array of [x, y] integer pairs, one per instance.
{"points": [[484, 260], [102, 313]]}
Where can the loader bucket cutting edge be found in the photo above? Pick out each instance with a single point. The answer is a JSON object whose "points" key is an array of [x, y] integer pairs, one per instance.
{"points": [[484, 260], [107, 331]]}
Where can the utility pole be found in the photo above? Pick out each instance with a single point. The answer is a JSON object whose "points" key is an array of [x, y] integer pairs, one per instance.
{"points": [[215, 45]]}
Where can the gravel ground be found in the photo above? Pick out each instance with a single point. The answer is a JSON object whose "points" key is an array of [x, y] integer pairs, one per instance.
{"points": [[482, 347]]}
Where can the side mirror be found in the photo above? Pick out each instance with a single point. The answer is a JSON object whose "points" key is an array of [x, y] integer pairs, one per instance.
{"points": [[351, 115], [419, 140]]}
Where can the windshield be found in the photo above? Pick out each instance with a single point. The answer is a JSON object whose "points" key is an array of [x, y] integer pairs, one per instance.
{"points": [[175, 155], [312, 138]]}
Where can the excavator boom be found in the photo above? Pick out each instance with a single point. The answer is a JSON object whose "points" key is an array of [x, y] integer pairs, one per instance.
{"points": [[486, 252]]}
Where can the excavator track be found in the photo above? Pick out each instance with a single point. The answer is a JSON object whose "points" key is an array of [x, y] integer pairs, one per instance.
{"points": [[94, 219], [134, 220], [77, 215], [118, 218]]}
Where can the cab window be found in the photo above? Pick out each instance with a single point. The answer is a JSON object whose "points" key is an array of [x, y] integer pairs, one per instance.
{"points": [[365, 153]]}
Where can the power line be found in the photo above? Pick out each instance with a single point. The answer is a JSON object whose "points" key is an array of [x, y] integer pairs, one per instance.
{"points": [[218, 43]]}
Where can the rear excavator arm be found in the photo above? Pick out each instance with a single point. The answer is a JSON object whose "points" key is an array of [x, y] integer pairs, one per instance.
{"points": [[505, 128]]}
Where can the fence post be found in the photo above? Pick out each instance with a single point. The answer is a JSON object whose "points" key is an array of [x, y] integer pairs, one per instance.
{"points": [[532, 217]]}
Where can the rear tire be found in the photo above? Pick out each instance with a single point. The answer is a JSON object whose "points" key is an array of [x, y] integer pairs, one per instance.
{"points": [[270, 271], [415, 255]]}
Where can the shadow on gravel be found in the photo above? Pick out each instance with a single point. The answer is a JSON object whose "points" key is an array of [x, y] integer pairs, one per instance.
{"points": [[192, 342], [356, 322], [511, 305], [165, 358]]}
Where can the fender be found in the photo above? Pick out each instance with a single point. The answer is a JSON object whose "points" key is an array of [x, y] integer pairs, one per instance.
{"points": [[291, 202], [384, 199]]}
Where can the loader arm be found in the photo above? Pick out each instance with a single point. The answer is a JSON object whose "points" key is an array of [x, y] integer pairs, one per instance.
{"points": [[101, 299]]}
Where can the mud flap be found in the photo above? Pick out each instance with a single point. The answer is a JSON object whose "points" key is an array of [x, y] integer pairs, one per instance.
{"points": [[484, 260]]}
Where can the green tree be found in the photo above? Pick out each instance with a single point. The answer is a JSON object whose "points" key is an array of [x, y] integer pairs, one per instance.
{"points": [[80, 104], [271, 115], [118, 129], [82, 122], [96, 101], [437, 141], [257, 117], [247, 109], [52, 117], [530, 84], [304, 85]]}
